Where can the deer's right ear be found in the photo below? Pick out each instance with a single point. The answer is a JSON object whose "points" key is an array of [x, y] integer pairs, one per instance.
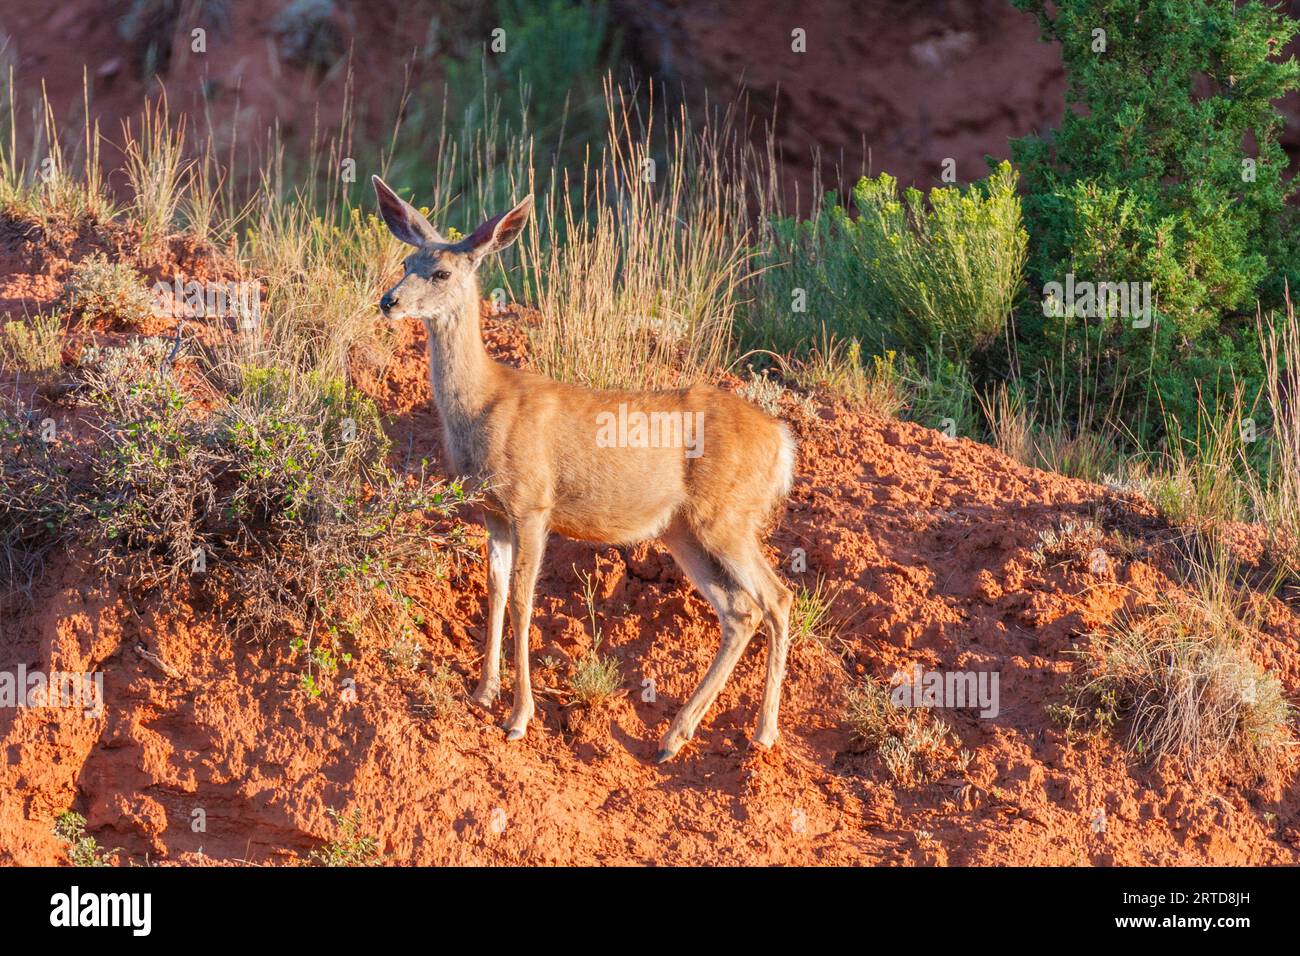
{"points": [[404, 220]]}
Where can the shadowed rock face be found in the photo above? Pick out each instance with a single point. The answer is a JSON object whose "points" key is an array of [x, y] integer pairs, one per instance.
{"points": [[892, 85], [897, 86]]}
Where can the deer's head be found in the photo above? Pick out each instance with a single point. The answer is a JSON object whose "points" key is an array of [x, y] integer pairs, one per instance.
{"points": [[440, 275]]}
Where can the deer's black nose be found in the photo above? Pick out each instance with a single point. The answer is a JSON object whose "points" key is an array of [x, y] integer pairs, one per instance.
{"points": [[387, 301]]}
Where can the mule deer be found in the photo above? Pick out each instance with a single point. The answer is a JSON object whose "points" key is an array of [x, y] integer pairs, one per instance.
{"points": [[556, 457]]}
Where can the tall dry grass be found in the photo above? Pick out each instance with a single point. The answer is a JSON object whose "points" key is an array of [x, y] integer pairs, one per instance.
{"points": [[637, 267], [159, 175], [1278, 502]]}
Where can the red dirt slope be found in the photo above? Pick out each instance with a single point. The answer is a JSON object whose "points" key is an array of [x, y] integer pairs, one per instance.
{"points": [[930, 541]]}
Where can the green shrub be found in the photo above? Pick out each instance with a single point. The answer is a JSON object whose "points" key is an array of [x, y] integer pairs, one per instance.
{"points": [[1149, 179], [811, 277], [595, 676], [70, 828], [935, 273], [555, 53], [913, 744], [952, 265], [278, 501]]}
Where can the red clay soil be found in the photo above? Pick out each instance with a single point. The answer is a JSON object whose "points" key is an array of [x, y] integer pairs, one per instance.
{"points": [[928, 542]]}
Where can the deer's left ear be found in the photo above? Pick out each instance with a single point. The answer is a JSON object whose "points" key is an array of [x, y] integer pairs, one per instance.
{"points": [[499, 231]]}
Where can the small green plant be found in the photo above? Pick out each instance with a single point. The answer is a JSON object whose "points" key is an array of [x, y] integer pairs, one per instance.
{"points": [[1070, 540], [33, 346], [99, 289], [83, 850], [595, 676], [810, 615], [351, 847], [154, 476], [1078, 720], [322, 661], [404, 653], [436, 691], [767, 393]]}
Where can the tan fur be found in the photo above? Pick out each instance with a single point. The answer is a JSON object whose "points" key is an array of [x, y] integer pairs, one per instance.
{"points": [[533, 445]]}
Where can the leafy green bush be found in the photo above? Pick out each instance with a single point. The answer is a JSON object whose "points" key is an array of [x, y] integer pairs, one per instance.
{"points": [[953, 270], [810, 278], [1149, 179], [547, 61], [925, 274]]}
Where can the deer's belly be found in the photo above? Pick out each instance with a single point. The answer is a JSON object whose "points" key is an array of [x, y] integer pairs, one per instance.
{"points": [[609, 528]]}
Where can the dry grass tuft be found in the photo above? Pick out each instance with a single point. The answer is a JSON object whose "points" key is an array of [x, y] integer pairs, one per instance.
{"points": [[1181, 669], [913, 744]]}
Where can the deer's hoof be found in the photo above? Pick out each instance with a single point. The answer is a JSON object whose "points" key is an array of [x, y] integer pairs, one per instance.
{"points": [[485, 697], [516, 733], [664, 756], [765, 740]]}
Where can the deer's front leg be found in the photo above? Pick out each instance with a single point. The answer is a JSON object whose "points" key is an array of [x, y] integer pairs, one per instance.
{"points": [[500, 554], [529, 543]]}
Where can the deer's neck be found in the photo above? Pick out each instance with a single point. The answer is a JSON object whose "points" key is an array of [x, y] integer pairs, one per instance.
{"points": [[459, 366]]}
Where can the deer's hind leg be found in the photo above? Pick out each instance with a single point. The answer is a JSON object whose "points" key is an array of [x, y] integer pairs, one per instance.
{"points": [[501, 551], [738, 616], [776, 600]]}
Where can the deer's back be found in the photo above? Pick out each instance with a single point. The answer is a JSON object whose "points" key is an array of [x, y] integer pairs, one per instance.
{"points": [[616, 466]]}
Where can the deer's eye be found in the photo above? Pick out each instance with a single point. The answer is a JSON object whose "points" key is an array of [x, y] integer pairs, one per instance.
{"points": [[442, 275]]}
